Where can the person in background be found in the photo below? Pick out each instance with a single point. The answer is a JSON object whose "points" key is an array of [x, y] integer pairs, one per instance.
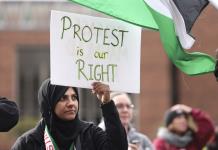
{"points": [[136, 140], [185, 128], [9, 114], [61, 129]]}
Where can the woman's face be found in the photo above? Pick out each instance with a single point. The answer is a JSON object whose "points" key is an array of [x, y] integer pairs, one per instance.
{"points": [[67, 107], [179, 124]]}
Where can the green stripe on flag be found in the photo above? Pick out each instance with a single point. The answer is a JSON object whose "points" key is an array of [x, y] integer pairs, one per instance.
{"points": [[190, 63], [132, 11]]}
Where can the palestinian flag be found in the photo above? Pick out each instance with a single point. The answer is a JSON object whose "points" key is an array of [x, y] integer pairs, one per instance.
{"points": [[184, 13], [174, 29], [174, 20]]}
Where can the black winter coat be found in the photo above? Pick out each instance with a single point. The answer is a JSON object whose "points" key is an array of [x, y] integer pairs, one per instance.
{"points": [[9, 114], [91, 138]]}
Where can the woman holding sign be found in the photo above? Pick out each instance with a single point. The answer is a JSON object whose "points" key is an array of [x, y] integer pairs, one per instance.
{"points": [[61, 129]]}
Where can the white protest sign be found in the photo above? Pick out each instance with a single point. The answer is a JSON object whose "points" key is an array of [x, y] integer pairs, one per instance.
{"points": [[85, 49]]}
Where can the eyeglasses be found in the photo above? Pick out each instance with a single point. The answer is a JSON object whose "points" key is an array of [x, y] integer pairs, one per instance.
{"points": [[121, 106]]}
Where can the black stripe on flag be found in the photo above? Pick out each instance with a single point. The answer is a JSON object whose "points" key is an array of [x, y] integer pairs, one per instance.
{"points": [[190, 10]]}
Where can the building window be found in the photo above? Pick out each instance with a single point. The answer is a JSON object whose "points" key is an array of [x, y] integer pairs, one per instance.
{"points": [[32, 68]]}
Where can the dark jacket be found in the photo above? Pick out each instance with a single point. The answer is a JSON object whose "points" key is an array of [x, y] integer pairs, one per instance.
{"points": [[9, 114], [91, 137]]}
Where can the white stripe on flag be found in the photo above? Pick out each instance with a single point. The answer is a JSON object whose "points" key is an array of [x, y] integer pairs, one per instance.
{"points": [[159, 7], [169, 9], [214, 3], [185, 39]]}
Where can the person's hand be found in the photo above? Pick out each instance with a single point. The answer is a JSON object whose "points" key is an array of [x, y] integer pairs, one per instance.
{"points": [[133, 146], [182, 107], [102, 91]]}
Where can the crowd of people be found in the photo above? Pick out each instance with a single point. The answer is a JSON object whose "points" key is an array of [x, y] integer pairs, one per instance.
{"points": [[60, 127]]}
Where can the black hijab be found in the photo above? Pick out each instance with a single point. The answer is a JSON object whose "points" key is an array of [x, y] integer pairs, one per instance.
{"points": [[63, 132]]}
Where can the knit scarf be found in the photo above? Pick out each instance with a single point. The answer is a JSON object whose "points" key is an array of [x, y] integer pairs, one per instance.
{"points": [[174, 139]]}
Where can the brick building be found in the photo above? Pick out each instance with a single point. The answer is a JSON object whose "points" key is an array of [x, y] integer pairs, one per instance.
{"points": [[24, 63]]}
